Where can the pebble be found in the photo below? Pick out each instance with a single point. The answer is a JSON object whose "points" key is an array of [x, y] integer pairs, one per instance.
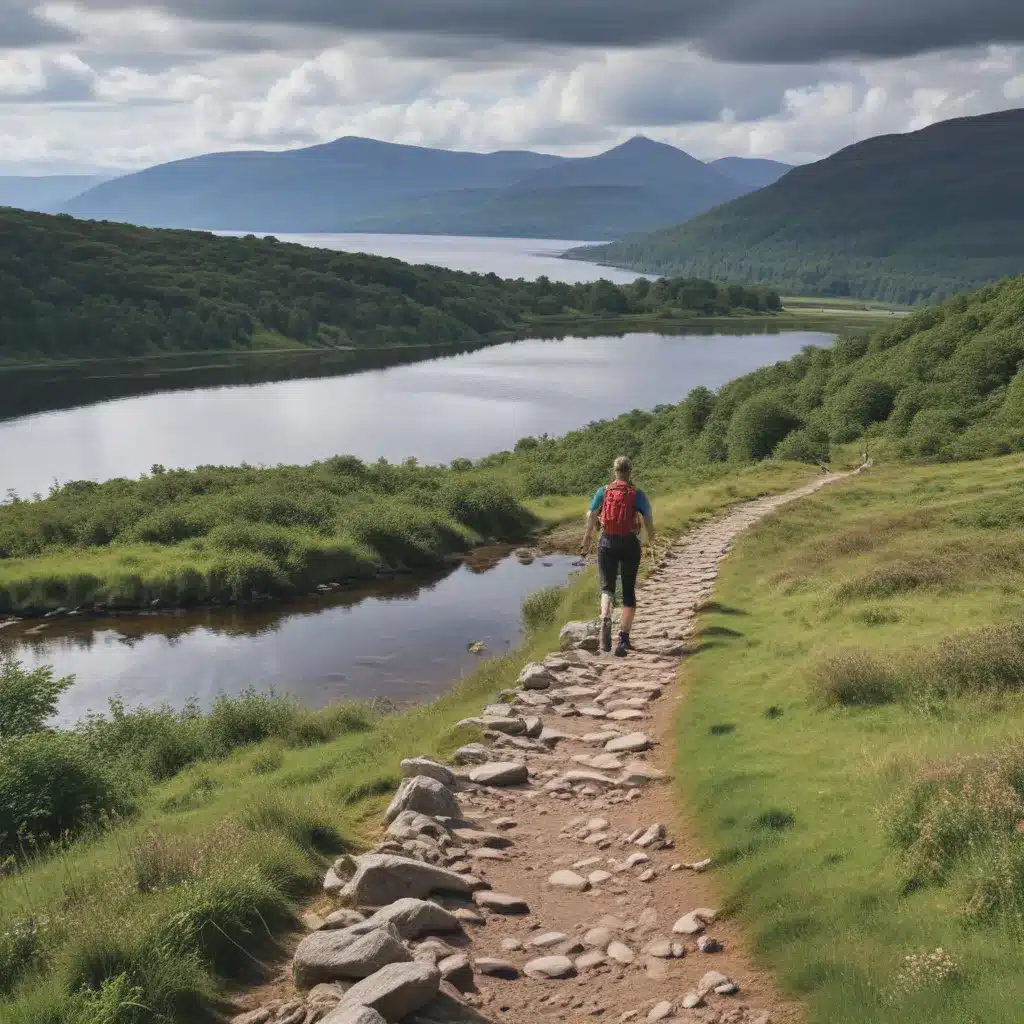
{"points": [[511, 945], [500, 902], [691, 1001], [598, 938], [548, 939], [621, 953], [712, 981], [662, 950], [598, 877], [636, 859], [569, 880], [595, 958], [549, 967], [648, 876], [660, 1012], [708, 945], [494, 968]]}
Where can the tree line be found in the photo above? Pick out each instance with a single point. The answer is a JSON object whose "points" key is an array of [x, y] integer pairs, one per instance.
{"points": [[72, 289]]}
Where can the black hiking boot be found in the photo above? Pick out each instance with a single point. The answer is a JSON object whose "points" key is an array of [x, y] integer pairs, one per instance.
{"points": [[622, 647], [606, 635]]}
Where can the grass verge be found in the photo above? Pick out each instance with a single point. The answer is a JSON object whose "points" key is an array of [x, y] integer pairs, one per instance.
{"points": [[867, 803]]}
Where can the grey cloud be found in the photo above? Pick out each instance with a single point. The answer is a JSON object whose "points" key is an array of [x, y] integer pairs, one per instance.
{"points": [[759, 31], [20, 27]]}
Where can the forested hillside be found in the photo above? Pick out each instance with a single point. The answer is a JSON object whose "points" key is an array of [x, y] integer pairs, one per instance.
{"points": [[902, 218], [942, 384], [81, 289]]}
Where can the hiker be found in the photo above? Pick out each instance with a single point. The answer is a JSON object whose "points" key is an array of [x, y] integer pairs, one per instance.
{"points": [[618, 507]]}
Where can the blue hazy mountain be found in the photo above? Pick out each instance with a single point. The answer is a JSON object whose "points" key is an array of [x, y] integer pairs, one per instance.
{"points": [[356, 184]]}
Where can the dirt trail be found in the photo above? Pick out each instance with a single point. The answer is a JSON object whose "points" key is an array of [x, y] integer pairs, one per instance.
{"points": [[582, 812], [549, 835]]}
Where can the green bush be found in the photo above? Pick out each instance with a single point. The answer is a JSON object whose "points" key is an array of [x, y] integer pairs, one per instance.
{"points": [[27, 699], [808, 444], [51, 786], [757, 427]]}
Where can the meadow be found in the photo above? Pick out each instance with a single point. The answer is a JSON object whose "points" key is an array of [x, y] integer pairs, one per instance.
{"points": [[851, 744]]}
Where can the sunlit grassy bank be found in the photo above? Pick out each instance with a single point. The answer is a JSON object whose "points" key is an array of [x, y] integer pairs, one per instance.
{"points": [[851, 744]]}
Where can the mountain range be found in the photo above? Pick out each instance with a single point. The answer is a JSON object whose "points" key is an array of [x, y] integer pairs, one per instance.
{"points": [[903, 218], [355, 184], [44, 193]]}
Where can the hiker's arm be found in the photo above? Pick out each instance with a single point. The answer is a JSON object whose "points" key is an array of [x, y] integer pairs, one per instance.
{"points": [[593, 518], [649, 528]]}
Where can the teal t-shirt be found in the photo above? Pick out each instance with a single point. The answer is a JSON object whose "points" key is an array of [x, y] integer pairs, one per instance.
{"points": [[643, 506]]}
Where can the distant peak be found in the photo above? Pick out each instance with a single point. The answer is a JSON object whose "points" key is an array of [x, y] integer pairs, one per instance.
{"points": [[639, 142]]}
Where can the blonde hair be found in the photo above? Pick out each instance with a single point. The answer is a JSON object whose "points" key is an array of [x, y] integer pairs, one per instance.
{"points": [[623, 467]]}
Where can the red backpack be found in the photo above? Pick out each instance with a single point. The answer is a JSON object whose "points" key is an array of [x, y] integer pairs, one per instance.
{"points": [[618, 513]]}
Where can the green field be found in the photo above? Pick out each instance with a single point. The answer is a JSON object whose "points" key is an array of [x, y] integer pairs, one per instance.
{"points": [[867, 656]]}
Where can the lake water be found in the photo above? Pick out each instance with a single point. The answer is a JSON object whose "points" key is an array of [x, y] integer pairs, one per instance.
{"points": [[462, 406], [407, 639], [507, 257]]}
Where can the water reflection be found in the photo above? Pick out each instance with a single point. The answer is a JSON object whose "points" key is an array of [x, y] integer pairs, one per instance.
{"points": [[405, 638]]}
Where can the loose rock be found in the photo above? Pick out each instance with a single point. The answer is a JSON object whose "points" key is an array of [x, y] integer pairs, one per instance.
{"points": [[536, 677], [381, 879], [550, 967], [425, 795], [396, 990], [501, 903], [412, 918], [500, 773], [494, 968], [569, 880], [342, 955], [621, 953], [414, 766], [660, 1012]]}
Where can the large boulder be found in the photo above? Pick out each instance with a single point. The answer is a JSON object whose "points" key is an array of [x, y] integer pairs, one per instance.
{"points": [[426, 796], [412, 918], [350, 954], [413, 766], [579, 636], [397, 990], [536, 677], [382, 878]]}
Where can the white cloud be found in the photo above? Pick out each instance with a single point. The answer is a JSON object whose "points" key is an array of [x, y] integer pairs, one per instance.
{"points": [[141, 87]]}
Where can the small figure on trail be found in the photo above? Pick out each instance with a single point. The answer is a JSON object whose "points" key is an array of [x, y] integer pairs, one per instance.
{"points": [[618, 507]]}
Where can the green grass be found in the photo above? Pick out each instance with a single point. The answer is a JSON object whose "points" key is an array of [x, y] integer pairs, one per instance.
{"points": [[866, 802], [202, 884]]}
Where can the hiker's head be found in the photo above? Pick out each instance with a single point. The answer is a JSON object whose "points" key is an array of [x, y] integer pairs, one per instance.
{"points": [[623, 468]]}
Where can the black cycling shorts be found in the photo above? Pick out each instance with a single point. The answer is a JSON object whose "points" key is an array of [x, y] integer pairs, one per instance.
{"points": [[615, 555]]}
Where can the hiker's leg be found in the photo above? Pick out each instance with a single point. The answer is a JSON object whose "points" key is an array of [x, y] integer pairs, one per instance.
{"points": [[630, 567], [608, 568]]}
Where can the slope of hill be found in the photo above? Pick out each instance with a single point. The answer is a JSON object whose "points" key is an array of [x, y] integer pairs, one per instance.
{"points": [[362, 185], [751, 171], [78, 289], [44, 193], [902, 218]]}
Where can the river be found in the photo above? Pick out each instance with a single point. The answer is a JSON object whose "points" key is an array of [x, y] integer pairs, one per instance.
{"points": [[405, 640]]}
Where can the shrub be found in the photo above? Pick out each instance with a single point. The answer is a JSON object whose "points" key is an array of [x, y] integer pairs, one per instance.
{"points": [[27, 699], [854, 677], [52, 785], [807, 444], [757, 426], [541, 607]]}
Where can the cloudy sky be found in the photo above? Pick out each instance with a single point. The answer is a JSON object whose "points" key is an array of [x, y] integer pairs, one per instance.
{"points": [[118, 84]]}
